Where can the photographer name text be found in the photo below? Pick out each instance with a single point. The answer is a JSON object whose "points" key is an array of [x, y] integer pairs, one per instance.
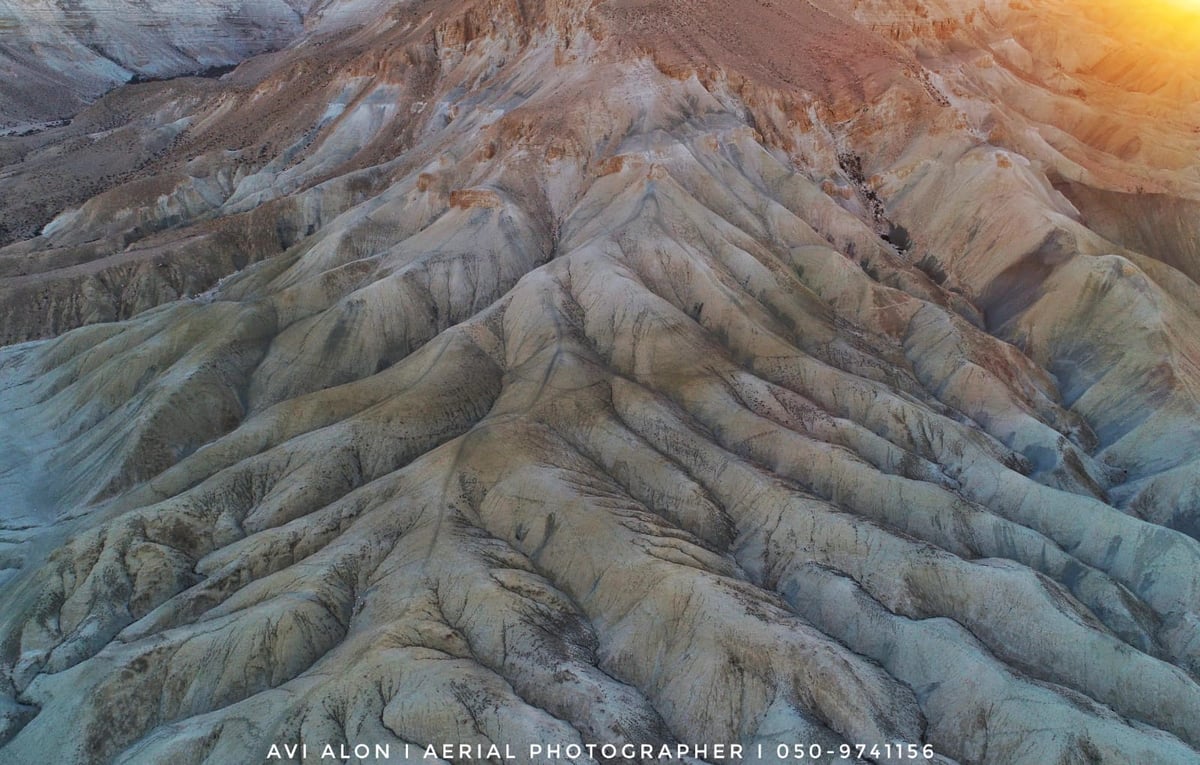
{"points": [[572, 751]]}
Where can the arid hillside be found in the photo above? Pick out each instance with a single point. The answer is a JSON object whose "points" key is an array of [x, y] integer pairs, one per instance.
{"points": [[57, 55], [606, 371]]}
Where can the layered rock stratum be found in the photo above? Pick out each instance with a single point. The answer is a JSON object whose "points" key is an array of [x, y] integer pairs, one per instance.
{"points": [[602, 371], [57, 55]]}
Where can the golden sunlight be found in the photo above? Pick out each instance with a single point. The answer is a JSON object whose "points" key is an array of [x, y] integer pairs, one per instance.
{"points": [[1187, 11], [1171, 23]]}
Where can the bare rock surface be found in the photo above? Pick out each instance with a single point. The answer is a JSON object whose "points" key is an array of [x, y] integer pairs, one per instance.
{"points": [[499, 372], [59, 54]]}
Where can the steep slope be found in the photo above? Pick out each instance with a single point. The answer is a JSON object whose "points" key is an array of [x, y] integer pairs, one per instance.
{"points": [[631, 371], [58, 55]]}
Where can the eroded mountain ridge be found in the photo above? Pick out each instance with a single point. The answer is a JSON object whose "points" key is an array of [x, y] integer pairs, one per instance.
{"points": [[506, 372]]}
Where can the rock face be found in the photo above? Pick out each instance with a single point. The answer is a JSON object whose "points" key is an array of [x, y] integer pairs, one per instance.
{"points": [[482, 371], [56, 55]]}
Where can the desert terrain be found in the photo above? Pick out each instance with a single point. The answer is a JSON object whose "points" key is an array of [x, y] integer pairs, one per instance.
{"points": [[502, 372]]}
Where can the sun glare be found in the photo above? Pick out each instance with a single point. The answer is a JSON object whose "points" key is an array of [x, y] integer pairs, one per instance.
{"points": [[1173, 10], [1183, 18], [1172, 23]]}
